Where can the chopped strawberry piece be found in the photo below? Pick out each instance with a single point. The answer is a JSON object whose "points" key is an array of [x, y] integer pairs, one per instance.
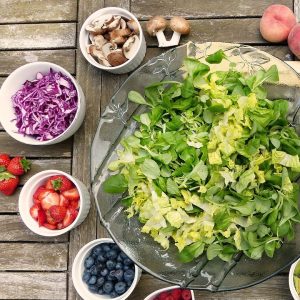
{"points": [[163, 295], [186, 295], [72, 194], [48, 198], [169, 297], [176, 293], [36, 194], [63, 201], [57, 212], [50, 226], [70, 217], [41, 217], [34, 211], [60, 226], [74, 204], [59, 183], [50, 220]]}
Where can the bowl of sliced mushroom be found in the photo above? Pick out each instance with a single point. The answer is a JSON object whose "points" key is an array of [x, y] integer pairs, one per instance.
{"points": [[112, 39]]}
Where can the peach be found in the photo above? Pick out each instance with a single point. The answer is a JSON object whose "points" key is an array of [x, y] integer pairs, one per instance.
{"points": [[294, 40], [276, 23]]}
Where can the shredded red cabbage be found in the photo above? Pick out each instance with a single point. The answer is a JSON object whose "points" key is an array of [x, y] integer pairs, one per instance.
{"points": [[46, 106]]}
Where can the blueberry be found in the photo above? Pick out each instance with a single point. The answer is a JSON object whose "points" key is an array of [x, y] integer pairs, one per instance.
{"points": [[129, 283], [115, 247], [119, 266], [97, 250], [108, 287], [95, 270], [93, 288], [100, 281], [111, 278], [125, 268], [127, 262], [113, 294], [120, 287], [119, 258], [123, 255], [86, 276], [100, 291], [101, 257], [112, 254], [110, 265], [89, 261], [105, 247], [129, 275], [104, 272], [92, 280], [118, 274]]}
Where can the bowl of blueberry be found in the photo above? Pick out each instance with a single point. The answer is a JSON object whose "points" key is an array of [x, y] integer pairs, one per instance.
{"points": [[102, 271]]}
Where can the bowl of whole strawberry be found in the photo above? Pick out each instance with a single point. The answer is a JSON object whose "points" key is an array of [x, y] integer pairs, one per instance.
{"points": [[53, 202], [10, 171], [171, 293], [101, 270]]}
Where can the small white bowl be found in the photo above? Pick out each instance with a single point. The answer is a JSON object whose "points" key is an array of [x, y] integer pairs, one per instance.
{"points": [[26, 201], [169, 288], [129, 65], [15, 81], [291, 281], [78, 269]]}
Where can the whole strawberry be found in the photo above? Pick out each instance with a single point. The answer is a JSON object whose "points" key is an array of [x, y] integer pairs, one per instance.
{"points": [[59, 183], [18, 166], [4, 161], [8, 183]]}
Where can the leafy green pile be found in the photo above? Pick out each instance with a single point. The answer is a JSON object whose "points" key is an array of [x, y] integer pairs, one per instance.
{"points": [[212, 165]]}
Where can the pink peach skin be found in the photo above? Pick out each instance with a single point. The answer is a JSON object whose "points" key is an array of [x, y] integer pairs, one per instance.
{"points": [[276, 23], [294, 40]]}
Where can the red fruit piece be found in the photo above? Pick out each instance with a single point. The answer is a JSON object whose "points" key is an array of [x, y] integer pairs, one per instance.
{"points": [[71, 194], [186, 295], [57, 212], [63, 201], [50, 220], [50, 226], [163, 295], [59, 183], [34, 211], [37, 193], [70, 217], [169, 297], [18, 166], [60, 226], [41, 217], [4, 161], [74, 204], [48, 198], [8, 183], [176, 294]]}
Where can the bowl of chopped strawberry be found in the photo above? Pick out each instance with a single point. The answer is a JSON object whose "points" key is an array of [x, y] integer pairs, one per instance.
{"points": [[53, 202], [171, 293]]}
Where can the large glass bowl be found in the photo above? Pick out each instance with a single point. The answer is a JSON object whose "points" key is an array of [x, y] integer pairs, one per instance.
{"points": [[117, 122]]}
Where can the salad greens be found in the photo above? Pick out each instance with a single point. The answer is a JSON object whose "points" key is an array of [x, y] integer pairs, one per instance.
{"points": [[212, 165]]}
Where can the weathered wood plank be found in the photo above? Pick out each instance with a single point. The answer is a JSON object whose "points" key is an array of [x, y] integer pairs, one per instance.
{"points": [[276, 288], [91, 77], [12, 229], [38, 36], [15, 11], [30, 285], [297, 9], [11, 60], [204, 9], [220, 30], [13, 147], [9, 204], [33, 257]]}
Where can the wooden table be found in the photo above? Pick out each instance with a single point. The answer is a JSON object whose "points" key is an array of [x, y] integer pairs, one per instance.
{"points": [[33, 267]]}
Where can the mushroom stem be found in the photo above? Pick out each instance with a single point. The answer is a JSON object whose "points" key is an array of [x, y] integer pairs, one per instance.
{"points": [[162, 42], [175, 39]]}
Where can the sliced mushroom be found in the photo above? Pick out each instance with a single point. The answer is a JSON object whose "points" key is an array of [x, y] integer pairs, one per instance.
{"points": [[133, 26], [99, 25], [99, 41], [119, 36], [108, 48], [116, 58], [131, 46], [122, 24], [114, 24], [92, 49]]}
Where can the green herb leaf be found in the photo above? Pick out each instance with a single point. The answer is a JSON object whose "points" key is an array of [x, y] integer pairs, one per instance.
{"points": [[150, 168], [136, 97], [216, 57], [115, 184]]}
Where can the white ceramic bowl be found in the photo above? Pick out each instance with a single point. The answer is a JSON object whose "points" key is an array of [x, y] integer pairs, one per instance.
{"points": [[78, 269], [156, 293], [15, 81], [26, 201], [129, 65], [291, 281]]}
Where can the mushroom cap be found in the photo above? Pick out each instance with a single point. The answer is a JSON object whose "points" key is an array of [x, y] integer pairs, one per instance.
{"points": [[116, 58], [180, 25], [156, 24]]}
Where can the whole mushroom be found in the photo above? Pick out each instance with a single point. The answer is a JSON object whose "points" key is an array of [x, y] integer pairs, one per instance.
{"points": [[155, 27], [180, 26]]}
